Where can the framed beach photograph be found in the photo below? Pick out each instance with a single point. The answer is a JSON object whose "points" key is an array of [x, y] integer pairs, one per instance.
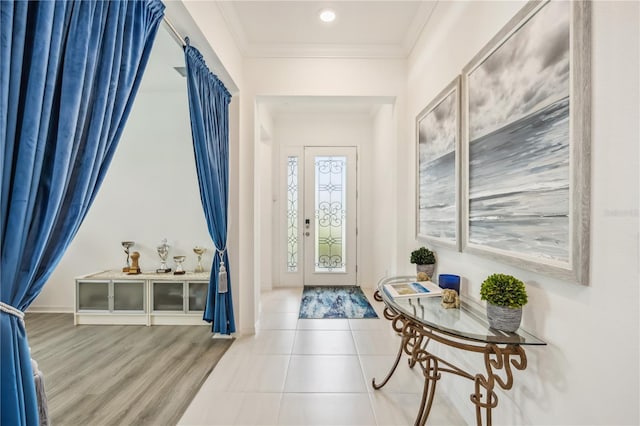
{"points": [[526, 142], [438, 141]]}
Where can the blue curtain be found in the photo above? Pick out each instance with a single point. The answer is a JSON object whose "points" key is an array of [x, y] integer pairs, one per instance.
{"points": [[209, 112], [69, 74]]}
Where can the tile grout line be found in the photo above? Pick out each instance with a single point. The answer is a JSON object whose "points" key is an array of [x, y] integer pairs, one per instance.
{"points": [[366, 383]]}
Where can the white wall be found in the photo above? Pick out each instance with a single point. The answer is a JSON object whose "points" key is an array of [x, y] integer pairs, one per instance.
{"points": [[384, 214], [589, 372], [150, 192], [264, 201], [296, 130], [155, 142], [308, 77], [204, 24]]}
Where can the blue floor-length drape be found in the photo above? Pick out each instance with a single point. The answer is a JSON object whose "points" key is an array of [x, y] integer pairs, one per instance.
{"points": [[209, 112], [69, 74]]}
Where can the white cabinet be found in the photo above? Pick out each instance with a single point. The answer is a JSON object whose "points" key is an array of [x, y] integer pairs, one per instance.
{"points": [[176, 301], [93, 296], [128, 296], [113, 297], [197, 296]]}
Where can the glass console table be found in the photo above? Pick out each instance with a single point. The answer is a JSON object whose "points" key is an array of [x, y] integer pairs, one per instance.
{"points": [[421, 320]]}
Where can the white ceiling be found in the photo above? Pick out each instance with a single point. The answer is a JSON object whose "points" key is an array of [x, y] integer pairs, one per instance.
{"points": [[293, 29], [287, 105]]}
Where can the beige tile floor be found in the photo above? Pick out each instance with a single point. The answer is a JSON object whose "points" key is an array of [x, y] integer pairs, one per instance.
{"points": [[312, 372]]}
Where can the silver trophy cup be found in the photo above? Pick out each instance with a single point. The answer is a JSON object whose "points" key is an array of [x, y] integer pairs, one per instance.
{"points": [[179, 269], [163, 252]]}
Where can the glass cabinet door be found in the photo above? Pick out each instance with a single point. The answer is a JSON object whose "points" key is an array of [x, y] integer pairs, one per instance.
{"points": [[197, 296], [128, 296], [93, 296], [168, 296]]}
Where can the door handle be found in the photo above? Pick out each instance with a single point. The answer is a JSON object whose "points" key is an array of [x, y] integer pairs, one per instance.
{"points": [[307, 233]]}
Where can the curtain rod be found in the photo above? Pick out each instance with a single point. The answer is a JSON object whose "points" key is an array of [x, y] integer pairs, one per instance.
{"points": [[175, 32]]}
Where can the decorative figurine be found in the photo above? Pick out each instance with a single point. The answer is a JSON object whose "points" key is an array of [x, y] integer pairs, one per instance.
{"points": [[163, 252], [450, 299], [134, 269], [127, 245], [422, 276], [179, 269], [199, 251]]}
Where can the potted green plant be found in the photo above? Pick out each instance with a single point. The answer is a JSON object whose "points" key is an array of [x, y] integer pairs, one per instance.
{"points": [[505, 296], [425, 260]]}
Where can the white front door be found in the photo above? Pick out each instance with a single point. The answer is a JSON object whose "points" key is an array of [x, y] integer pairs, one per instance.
{"points": [[329, 218], [319, 218]]}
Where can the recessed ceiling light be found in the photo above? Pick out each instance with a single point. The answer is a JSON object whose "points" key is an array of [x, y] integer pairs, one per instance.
{"points": [[327, 15]]}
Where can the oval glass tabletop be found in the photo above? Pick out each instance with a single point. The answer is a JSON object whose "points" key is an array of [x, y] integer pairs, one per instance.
{"points": [[468, 322]]}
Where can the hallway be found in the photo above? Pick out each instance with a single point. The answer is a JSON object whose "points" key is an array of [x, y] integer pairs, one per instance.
{"points": [[312, 372]]}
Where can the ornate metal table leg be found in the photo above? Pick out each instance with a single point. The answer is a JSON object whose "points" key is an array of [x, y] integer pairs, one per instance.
{"points": [[417, 346], [484, 397], [498, 359], [393, 368], [398, 326], [431, 377]]}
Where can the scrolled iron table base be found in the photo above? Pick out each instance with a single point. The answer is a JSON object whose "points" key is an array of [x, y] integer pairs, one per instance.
{"points": [[499, 360]]}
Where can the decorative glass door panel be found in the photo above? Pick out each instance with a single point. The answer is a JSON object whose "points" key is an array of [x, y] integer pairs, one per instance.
{"points": [[330, 213], [292, 214], [329, 227]]}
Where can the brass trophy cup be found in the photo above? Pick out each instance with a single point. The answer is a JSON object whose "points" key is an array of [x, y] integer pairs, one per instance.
{"points": [[163, 252], [134, 269], [127, 245], [199, 251], [179, 269]]}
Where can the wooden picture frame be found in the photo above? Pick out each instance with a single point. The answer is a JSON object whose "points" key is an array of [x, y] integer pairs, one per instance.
{"points": [[438, 168], [526, 112]]}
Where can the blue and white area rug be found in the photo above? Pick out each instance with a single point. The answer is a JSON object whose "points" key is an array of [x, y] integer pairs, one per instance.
{"points": [[335, 302]]}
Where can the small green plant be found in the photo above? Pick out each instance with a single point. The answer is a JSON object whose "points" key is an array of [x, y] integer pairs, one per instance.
{"points": [[423, 256], [504, 290]]}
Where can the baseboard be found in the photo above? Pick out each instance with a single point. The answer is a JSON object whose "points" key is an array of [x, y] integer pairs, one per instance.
{"points": [[49, 310], [246, 331], [277, 286]]}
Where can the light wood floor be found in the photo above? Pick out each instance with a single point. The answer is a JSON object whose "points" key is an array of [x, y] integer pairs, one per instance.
{"points": [[120, 375]]}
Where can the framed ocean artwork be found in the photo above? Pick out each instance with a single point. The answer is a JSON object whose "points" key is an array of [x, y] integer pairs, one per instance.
{"points": [[438, 141], [526, 142]]}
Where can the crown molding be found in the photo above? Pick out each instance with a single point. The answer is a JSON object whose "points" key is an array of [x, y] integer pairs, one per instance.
{"points": [[326, 51], [306, 50]]}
